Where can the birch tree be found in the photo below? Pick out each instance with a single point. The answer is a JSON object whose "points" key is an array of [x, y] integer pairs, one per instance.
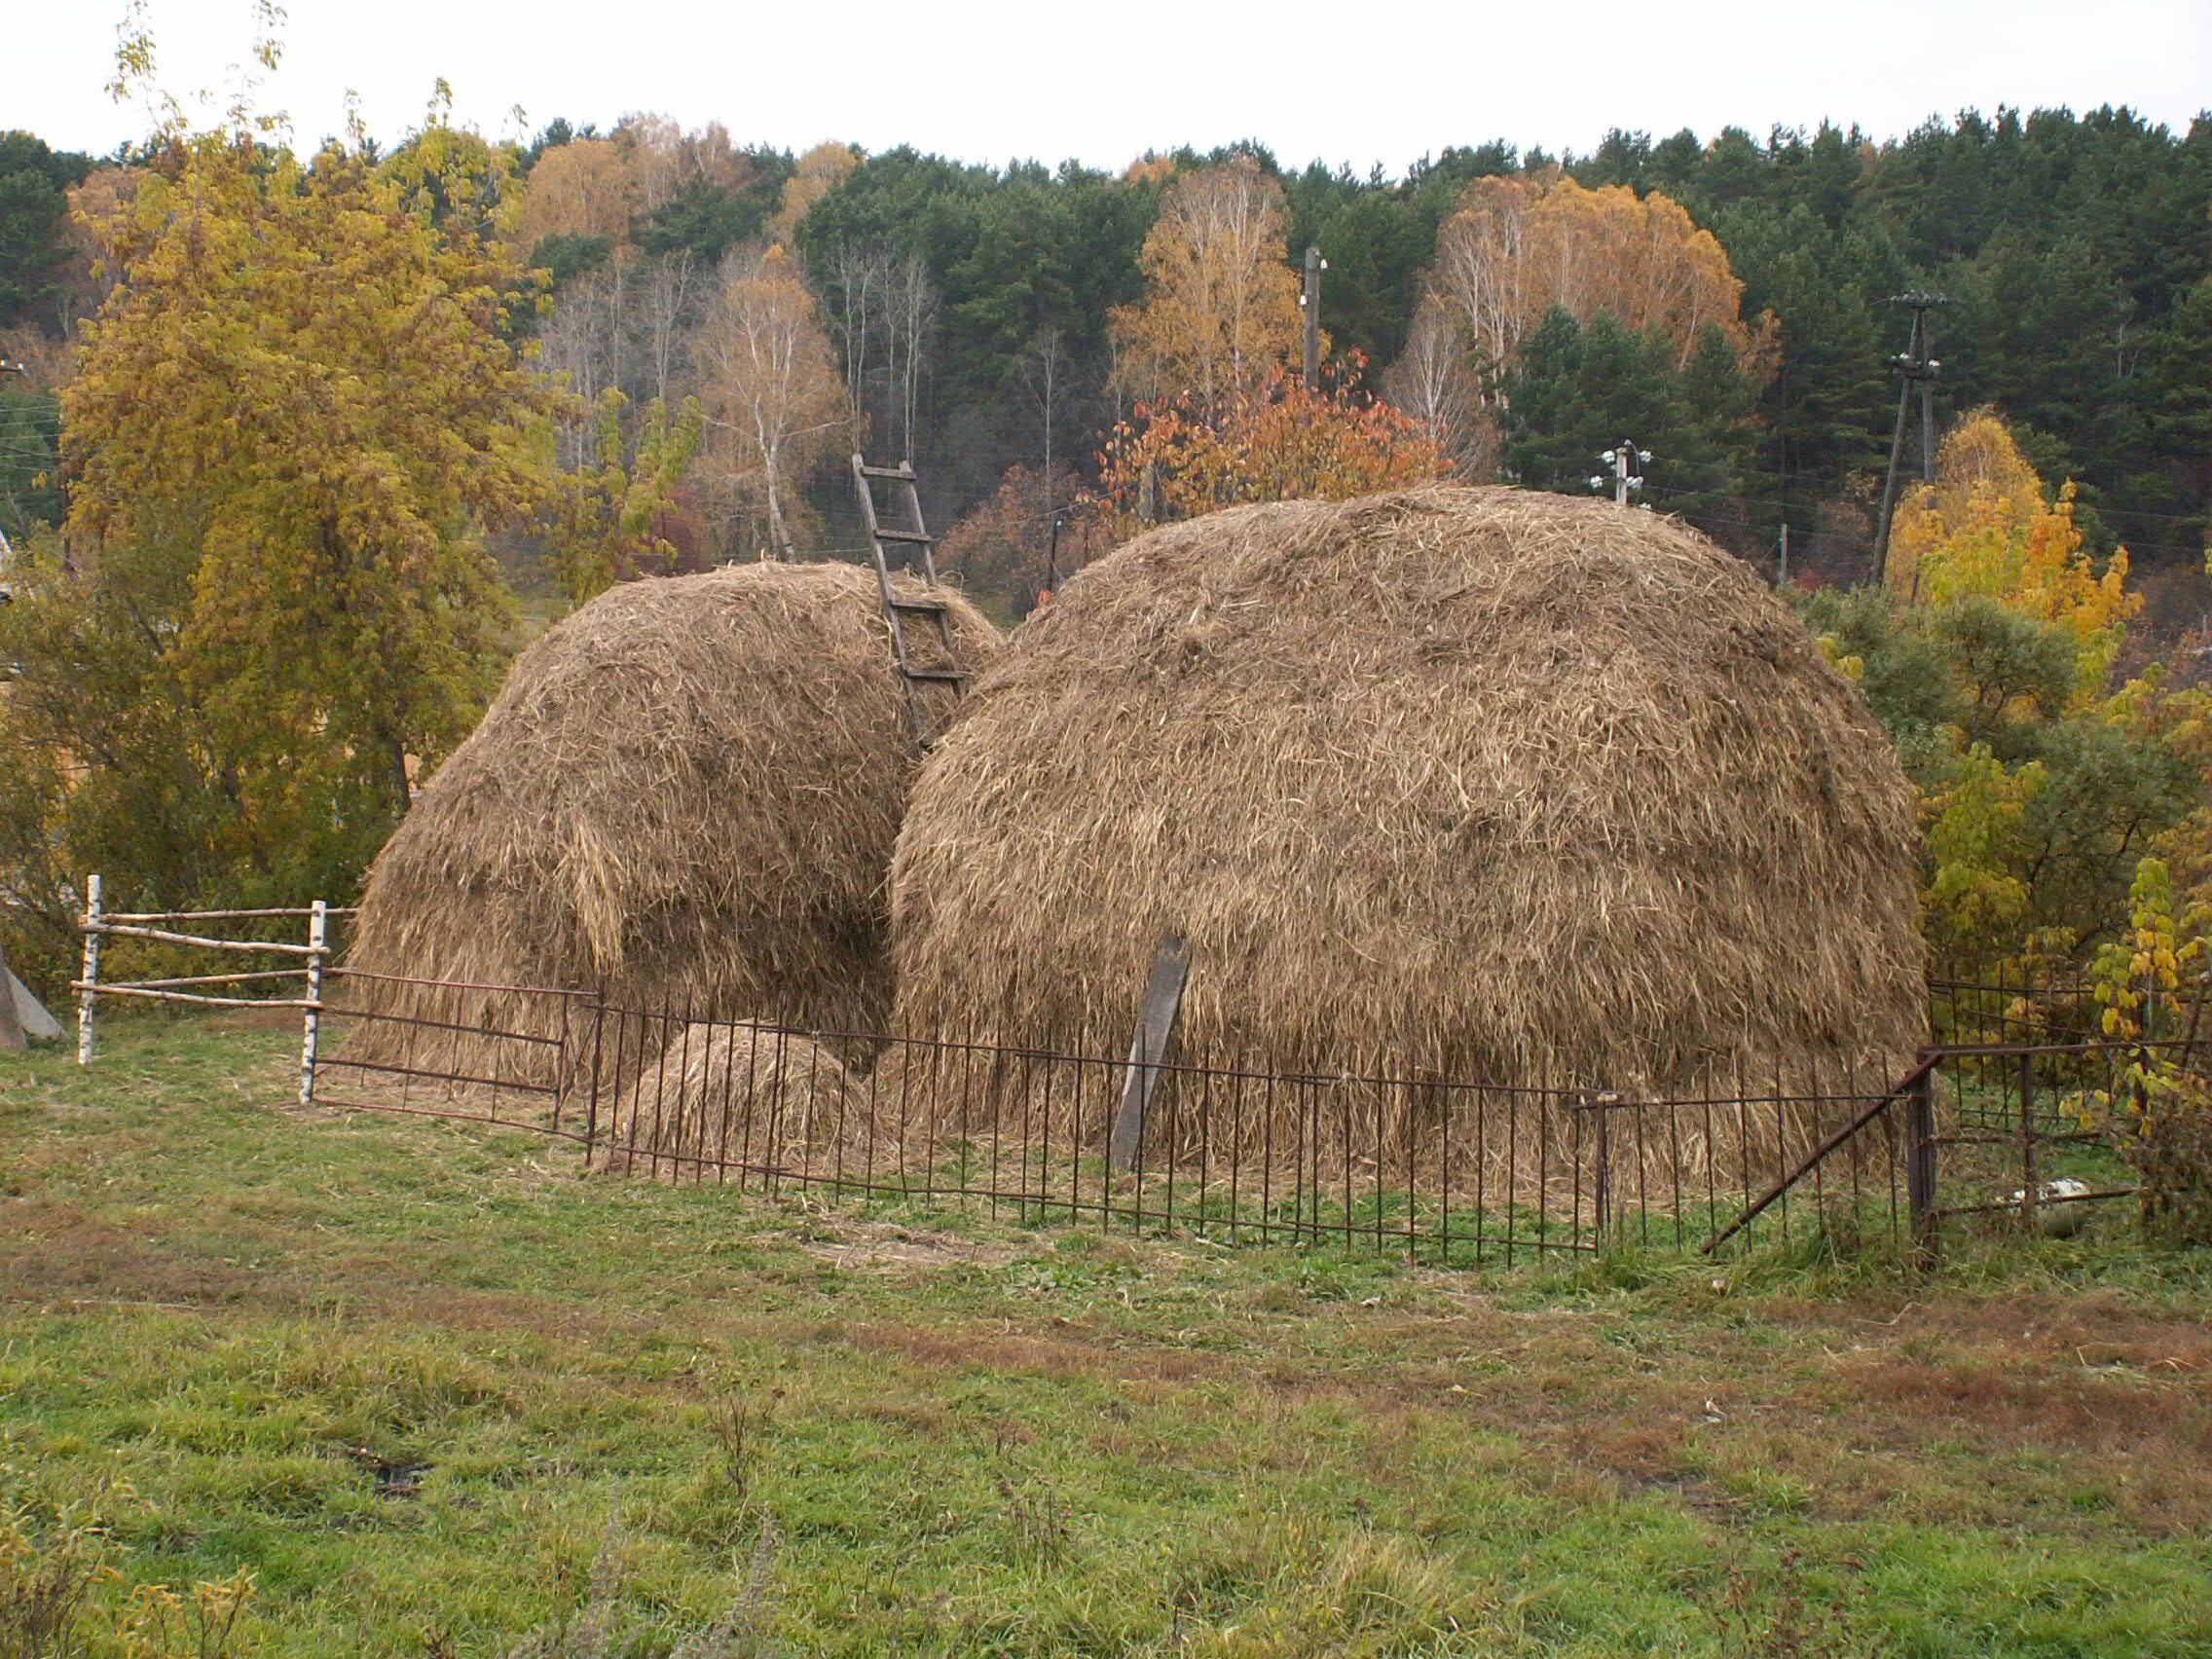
{"points": [[1434, 383], [1220, 310], [771, 387], [1518, 246]]}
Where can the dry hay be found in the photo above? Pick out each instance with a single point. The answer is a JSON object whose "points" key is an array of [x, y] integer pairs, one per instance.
{"points": [[1459, 784], [686, 793], [725, 1097]]}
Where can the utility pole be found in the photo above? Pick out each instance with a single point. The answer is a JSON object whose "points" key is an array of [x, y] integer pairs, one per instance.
{"points": [[1052, 564], [1623, 459], [1310, 302], [1916, 367], [1781, 569], [8, 366]]}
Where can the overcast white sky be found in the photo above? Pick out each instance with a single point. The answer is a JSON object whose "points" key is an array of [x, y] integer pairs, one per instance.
{"points": [[988, 80]]}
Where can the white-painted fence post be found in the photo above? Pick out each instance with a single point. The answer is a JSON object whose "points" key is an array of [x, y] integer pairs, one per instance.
{"points": [[90, 978], [311, 1024]]}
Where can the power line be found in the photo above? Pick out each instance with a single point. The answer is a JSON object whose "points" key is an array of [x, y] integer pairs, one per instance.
{"points": [[1917, 366]]}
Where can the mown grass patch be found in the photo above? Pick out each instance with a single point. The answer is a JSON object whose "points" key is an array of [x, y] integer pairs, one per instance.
{"points": [[414, 1380]]}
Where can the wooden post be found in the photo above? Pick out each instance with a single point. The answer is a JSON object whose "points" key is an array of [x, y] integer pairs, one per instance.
{"points": [[2195, 1017], [1310, 302], [310, 1018], [11, 1038], [1604, 1162], [1156, 1026], [1920, 1167], [91, 976], [2029, 1173]]}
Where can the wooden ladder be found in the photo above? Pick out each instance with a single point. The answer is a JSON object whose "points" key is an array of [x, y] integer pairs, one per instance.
{"points": [[898, 609]]}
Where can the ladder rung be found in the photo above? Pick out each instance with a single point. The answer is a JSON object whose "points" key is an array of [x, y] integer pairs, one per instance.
{"points": [[937, 676], [929, 605], [921, 535], [903, 474]]}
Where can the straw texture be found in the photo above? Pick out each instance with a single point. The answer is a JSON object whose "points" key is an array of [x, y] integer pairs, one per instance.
{"points": [[721, 1096], [1474, 783], [687, 792]]}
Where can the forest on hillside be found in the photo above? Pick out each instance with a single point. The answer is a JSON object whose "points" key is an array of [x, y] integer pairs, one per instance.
{"points": [[967, 316], [295, 429]]}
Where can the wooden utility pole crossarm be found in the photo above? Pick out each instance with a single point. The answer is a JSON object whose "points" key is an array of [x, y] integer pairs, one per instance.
{"points": [[1917, 368]]}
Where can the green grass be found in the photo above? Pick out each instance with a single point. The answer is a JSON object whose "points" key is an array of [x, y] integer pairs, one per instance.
{"points": [[402, 1373]]}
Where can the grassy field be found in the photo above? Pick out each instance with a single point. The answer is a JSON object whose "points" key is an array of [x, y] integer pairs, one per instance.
{"points": [[437, 1393]]}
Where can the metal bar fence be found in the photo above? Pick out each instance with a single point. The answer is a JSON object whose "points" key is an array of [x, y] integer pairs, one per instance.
{"points": [[1430, 1169], [2005, 1124]]}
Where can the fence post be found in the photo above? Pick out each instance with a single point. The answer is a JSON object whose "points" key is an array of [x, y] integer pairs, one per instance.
{"points": [[90, 978], [598, 1031], [1155, 1029], [1605, 1164], [1920, 1167], [311, 1020]]}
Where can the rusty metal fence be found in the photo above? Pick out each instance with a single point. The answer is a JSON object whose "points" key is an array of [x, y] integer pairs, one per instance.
{"points": [[2004, 1125], [1434, 1171]]}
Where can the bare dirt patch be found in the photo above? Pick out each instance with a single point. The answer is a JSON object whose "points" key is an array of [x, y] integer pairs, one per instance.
{"points": [[884, 1247]]}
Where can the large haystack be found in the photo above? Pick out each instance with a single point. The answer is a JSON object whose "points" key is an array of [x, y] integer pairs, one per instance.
{"points": [[1476, 783], [688, 794]]}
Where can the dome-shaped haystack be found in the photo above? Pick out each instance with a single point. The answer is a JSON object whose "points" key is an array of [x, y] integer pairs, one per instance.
{"points": [[686, 792], [1474, 783]]}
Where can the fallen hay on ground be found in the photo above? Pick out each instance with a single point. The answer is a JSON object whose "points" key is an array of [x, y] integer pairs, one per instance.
{"points": [[728, 1097]]}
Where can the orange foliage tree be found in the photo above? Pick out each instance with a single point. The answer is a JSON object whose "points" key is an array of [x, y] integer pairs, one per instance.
{"points": [[819, 172], [1283, 441], [584, 188], [1004, 550]]}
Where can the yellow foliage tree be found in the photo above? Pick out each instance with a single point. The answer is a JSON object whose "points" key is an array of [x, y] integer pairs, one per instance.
{"points": [[305, 389], [586, 187], [1975, 823], [608, 517], [818, 172], [1220, 311], [1984, 527], [1519, 245]]}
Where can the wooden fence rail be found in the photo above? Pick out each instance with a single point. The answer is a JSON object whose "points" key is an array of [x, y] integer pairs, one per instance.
{"points": [[313, 958]]}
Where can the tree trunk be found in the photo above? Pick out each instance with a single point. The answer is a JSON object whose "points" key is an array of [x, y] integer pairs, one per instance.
{"points": [[779, 537]]}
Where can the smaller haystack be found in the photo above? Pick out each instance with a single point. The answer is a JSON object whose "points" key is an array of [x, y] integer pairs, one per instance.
{"points": [[1476, 784], [726, 1097], [686, 793]]}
